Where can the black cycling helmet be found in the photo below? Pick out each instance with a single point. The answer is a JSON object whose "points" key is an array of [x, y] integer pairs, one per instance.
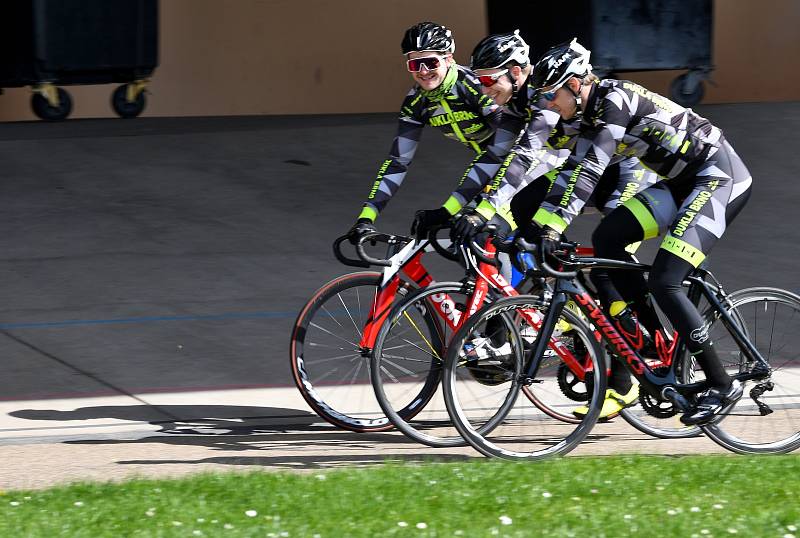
{"points": [[428, 36], [560, 63], [499, 49]]}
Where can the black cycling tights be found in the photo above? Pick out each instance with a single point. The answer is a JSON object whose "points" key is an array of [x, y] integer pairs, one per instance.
{"points": [[668, 272]]}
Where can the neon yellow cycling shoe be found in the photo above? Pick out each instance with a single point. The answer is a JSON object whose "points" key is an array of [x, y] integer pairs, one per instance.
{"points": [[613, 403]]}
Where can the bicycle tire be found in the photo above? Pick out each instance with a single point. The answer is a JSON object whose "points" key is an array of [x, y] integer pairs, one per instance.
{"points": [[403, 359], [521, 423], [741, 419], [338, 387]]}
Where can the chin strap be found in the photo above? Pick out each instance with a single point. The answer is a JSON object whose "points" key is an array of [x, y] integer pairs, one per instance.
{"points": [[514, 86], [578, 100]]}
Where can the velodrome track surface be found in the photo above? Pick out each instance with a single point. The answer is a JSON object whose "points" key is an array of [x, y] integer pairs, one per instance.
{"points": [[151, 270]]}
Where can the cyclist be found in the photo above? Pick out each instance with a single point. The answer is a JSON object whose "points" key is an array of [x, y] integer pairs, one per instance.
{"points": [[446, 96], [511, 85], [705, 185], [496, 63]]}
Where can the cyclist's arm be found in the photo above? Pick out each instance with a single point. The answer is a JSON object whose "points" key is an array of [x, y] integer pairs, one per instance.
{"points": [[393, 170], [487, 163], [577, 180], [529, 159]]}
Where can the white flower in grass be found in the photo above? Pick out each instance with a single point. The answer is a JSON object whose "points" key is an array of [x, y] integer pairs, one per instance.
{"points": [[227, 526], [547, 494], [788, 527], [787, 535], [432, 482], [592, 491], [505, 520], [251, 513], [78, 503], [694, 509], [704, 531], [575, 498], [14, 503], [732, 530], [201, 520], [672, 512], [717, 507], [422, 525], [402, 524], [151, 512], [176, 523], [197, 533]]}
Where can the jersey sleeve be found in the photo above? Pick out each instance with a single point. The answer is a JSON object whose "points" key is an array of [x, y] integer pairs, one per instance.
{"points": [[593, 151], [393, 170], [529, 159], [488, 161]]}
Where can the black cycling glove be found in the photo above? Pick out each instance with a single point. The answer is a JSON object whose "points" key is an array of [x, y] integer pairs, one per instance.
{"points": [[361, 227], [467, 226], [549, 242], [425, 219]]}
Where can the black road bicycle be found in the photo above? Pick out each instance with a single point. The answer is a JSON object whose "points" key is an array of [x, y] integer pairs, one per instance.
{"points": [[755, 330]]}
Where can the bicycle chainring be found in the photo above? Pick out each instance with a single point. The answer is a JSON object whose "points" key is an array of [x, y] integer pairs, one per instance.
{"points": [[572, 387], [654, 407]]}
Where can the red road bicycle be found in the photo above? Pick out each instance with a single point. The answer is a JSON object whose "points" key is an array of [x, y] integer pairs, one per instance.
{"points": [[335, 332]]}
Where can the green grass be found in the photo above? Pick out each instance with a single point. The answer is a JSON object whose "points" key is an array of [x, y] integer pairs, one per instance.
{"points": [[584, 497]]}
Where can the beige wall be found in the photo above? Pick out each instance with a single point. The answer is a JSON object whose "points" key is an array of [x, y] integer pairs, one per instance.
{"points": [[343, 56]]}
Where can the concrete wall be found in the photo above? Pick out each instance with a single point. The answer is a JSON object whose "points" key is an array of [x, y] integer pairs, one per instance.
{"points": [[323, 56]]}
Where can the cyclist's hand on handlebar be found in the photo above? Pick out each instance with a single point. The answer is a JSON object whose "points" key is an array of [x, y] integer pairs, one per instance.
{"points": [[467, 226], [549, 242], [361, 227], [425, 219]]}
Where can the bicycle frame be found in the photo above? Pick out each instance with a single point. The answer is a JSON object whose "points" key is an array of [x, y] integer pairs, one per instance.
{"points": [[408, 261], [655, 383]]}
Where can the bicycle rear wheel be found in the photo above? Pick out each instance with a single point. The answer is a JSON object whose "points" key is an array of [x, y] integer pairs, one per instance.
{"points": [[767, 418], [328, 366], [493, 417]]}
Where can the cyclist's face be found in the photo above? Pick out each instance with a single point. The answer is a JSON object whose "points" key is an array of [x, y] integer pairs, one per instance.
{"points": [[563, 100], [500, 88], [430, 79]]}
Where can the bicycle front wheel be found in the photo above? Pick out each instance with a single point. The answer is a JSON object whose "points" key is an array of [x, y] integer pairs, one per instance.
{"points": [[329, 368], [767, 418], [490, 413], [407, 363]]}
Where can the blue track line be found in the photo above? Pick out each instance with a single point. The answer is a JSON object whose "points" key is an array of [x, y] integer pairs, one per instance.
{"points": [[146, 319]]}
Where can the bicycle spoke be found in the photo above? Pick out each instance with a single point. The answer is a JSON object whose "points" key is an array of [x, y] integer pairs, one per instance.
{"points": [[323, 329], [358, 329]]}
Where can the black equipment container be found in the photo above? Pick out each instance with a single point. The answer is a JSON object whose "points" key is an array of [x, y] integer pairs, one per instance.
{"points": [[623, 35], [47, 43]]}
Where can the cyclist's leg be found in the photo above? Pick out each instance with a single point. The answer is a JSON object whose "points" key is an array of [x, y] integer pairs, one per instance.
{"points": [[653, 213], [721, 188], [641, 217]]}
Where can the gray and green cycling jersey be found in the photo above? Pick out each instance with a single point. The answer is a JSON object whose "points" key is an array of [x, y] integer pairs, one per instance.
{"points": [[622, 120], [457, 108], [530, 160]]}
